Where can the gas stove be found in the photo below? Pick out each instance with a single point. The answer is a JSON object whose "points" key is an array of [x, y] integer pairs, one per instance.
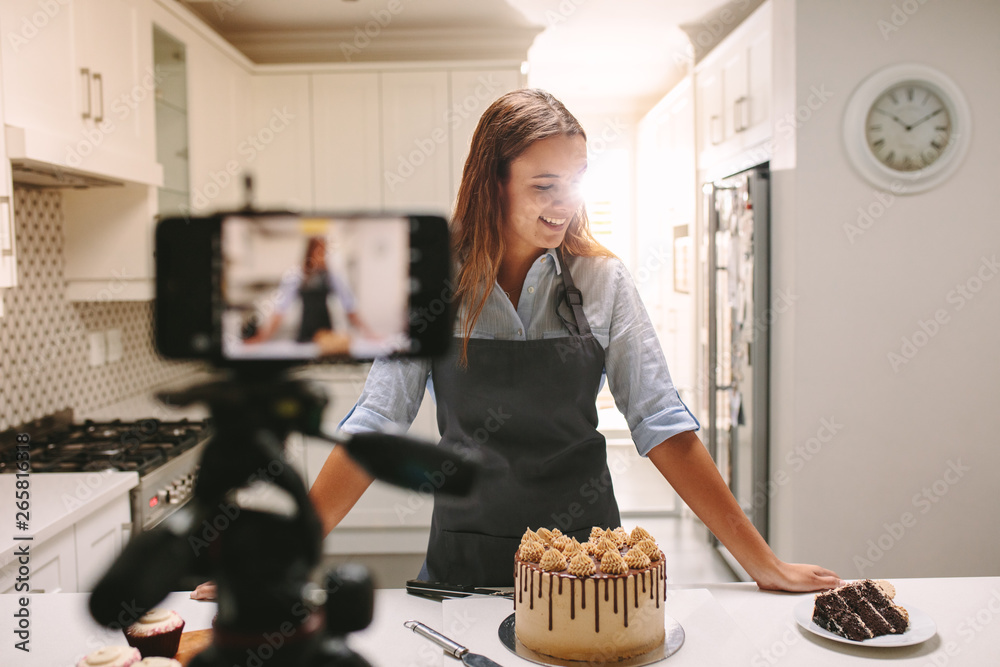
{"points": [[164, 454]]}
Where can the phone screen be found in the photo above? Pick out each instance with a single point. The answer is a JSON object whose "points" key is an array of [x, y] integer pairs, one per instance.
{"points": [[301, 288]]}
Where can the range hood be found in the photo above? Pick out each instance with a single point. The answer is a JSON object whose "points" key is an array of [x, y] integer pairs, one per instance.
{"points": [[40, 159], [45, 175]]}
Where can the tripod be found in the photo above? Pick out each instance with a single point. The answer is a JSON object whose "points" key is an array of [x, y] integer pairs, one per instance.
{"points": [[262, 561]]}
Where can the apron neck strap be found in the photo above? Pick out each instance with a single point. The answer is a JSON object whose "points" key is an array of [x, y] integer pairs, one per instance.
{"points": [[573, 296]]}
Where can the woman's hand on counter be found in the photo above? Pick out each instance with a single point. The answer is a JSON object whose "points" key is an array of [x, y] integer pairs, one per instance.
{"points": [[205, 591], [798, 578]]}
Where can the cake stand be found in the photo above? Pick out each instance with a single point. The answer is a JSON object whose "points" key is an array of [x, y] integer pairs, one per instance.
{"points": [[672, 642]]}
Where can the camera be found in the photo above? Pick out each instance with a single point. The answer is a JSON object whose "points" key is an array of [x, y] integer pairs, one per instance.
{"points": [[253, 287]]}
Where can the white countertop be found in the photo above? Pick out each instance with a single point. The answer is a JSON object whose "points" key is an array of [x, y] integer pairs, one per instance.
{"points": [[725, 625], [58, 500]]}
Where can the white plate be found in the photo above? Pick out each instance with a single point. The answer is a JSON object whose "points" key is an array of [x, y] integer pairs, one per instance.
{"points": [[921, 628]]}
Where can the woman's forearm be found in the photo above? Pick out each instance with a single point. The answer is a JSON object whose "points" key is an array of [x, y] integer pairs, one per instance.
{"points": [[339, 485], [688, 467]]}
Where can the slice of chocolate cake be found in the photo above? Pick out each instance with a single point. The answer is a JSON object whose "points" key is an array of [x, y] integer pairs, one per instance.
{"points": [[861, 610]]}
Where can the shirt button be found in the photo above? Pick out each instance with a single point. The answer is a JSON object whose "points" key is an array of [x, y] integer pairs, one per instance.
{"points": [[531, 290], [520, 332], [544, 257]]}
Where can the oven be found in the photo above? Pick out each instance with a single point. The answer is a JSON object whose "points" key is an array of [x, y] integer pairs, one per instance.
{"points": [[165, 455]]}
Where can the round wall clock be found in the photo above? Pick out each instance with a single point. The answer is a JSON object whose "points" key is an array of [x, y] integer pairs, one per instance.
{"points": [[907, 128]]}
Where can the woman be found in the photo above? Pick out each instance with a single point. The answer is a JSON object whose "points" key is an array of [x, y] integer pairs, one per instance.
{"points": [[520, 384], [313, 285]]}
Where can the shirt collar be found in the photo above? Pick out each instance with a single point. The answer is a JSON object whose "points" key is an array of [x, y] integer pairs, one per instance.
{"points": [[555, 260]]}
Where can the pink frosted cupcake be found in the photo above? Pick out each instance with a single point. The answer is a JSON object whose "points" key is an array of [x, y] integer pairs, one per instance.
{"points": [[157, 633], [111, 656], [158, 661]]}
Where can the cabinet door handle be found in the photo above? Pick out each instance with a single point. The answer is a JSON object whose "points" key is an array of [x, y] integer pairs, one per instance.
{"points": [[740, 120], [85, 73], [711, 131], [98, 79]]}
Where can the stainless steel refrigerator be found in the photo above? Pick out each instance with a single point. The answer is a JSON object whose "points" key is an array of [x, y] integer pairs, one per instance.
{"points": [[736, 318]]}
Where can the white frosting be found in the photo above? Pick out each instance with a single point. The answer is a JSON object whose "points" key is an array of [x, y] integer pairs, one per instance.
{"points": [[111, 656], [155, 621]]}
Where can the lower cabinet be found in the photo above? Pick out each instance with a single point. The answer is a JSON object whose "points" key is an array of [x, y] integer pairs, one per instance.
{"points": [[100, 538], [75, 559], [52, 567]]}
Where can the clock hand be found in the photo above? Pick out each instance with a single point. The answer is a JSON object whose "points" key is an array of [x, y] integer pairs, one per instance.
{"points": [[927, 117], [892, 117]]}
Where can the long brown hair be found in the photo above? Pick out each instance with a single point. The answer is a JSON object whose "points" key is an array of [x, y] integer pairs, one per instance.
{"points": [[507, 128]]}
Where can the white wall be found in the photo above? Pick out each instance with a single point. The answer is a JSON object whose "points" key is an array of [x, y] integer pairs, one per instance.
{"points": [[898, 432]]}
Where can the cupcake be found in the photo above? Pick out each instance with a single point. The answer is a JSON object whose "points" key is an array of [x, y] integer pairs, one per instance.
{"points": [[157, 633], [111, 656], [158, 661]]}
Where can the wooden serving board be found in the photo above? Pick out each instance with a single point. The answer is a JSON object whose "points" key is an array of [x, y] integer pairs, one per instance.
{"points": [[192, 643]]}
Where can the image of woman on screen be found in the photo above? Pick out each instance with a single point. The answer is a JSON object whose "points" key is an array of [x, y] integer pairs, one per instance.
{"points": [[313, 287]]}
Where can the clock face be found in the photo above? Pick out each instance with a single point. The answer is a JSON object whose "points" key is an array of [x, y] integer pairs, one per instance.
{"points": [[908, 127]]}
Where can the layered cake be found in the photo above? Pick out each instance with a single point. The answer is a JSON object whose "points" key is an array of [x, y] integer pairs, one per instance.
{"points": [[861, 610], [600, 599]]}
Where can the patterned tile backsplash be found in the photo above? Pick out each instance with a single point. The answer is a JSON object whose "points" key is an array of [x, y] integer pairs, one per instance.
{"points": [[44, 339]]}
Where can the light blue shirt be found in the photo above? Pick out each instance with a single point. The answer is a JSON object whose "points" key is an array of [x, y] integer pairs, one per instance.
{"points": [[634, 365]]}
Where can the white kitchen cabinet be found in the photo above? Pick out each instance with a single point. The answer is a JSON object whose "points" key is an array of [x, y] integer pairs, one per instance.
{"points": [[39, 79], [109, 243], [346, 128], [80, 83], [472, 91], [8, 242], [52, 566], [733, 91], [280, 146], [100, 538], [114, 46], [218, 99], [710, 129], [416, 155]]}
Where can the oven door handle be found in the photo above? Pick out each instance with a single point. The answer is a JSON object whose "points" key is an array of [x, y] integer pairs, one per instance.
{"points": [[126, 533]]}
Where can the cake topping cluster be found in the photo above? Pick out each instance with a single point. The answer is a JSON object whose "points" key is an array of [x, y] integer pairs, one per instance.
{"points": [[553, 561], [582, 565], [610, 551]]}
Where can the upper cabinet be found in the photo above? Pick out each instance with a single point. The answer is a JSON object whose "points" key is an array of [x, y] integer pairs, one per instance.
{"points": [[416, 146], [393, 139], [79, 87], [733, 91], [346, 108]]}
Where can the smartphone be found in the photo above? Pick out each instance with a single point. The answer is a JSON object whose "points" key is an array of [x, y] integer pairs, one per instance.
{"points": [[243, 288]]}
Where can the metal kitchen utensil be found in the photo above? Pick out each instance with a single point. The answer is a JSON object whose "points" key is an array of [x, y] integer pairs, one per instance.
{"points": [[440, 591], [454, 649]]}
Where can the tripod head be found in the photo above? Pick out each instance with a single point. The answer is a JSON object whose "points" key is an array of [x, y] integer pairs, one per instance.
{"points": [[262, 561]]}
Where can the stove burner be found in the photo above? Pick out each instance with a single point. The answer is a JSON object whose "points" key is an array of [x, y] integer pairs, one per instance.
{"points": [[141, 446]]}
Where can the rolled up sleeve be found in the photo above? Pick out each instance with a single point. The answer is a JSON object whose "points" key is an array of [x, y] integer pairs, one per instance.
{"points": [[391, 397], [637, 372]]}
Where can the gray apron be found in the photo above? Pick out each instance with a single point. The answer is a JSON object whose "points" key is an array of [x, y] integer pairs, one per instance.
{"points": [[528, 410]]}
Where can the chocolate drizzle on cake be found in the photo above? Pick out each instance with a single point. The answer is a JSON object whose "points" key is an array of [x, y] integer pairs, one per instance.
{"points": [[860, 610]]}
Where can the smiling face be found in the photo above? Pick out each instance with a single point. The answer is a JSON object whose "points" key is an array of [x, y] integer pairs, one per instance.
{"points": [[542, 193]]}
